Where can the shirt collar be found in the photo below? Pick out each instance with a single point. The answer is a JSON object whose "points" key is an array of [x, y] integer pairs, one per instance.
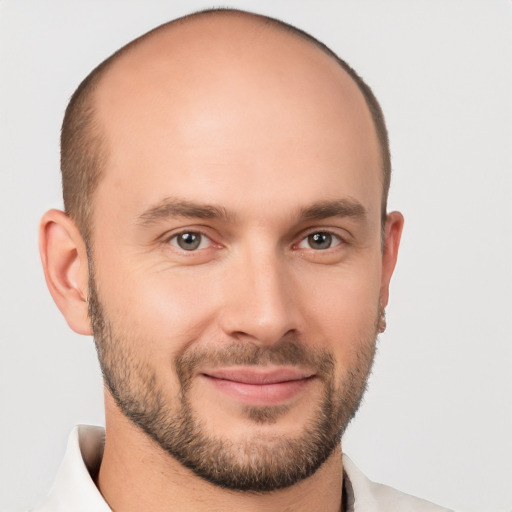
{"points": [[74, 487]]}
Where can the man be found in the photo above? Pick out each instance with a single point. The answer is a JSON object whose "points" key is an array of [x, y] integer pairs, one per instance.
{"points": [[227, 242]]}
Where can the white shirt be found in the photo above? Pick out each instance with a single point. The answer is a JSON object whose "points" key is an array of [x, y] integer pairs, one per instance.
{"points": [[75, 491]]}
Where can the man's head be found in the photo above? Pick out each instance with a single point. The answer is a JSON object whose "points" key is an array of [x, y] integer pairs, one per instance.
{"points": [[84, 151], [236, 262]]}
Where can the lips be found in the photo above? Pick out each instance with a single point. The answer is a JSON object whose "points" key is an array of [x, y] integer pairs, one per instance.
{"points": [[259, 386]]}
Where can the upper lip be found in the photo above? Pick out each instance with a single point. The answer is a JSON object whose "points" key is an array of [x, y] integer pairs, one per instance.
{"points": [[259, 375]]}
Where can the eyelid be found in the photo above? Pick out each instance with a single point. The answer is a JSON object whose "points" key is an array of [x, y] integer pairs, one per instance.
{"points": [[335, 233], [204, 240], [166, 238], [336, 241], [170, 235]]}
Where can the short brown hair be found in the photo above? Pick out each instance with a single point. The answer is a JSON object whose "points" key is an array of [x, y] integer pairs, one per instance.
{"points": [[83, 146]]}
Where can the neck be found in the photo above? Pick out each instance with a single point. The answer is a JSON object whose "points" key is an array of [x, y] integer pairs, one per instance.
{"points": [[136, 474]]}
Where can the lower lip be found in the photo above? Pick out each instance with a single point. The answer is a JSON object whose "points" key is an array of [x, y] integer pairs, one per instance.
{"points": [[260, 394]]}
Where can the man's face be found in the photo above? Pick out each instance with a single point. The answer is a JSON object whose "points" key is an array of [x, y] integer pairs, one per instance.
{"points": [[236, 255]]}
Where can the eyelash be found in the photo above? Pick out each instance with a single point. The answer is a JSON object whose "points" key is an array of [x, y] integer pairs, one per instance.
{"points": [[335, 238], [176, 236]]}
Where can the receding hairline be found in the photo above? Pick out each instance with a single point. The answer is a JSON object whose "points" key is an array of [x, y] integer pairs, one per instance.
{"points": [[81, 121], [98, 73]]}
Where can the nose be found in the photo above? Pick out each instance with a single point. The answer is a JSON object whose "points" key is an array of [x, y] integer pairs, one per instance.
{"points": [[260, 303]]}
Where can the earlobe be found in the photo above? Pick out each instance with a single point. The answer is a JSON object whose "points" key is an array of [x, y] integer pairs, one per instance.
{"points": [[64, 258], [392, 234]]}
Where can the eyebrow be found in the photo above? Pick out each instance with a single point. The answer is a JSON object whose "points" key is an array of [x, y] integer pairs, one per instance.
{"points": [[337, 208], [172, 207]]}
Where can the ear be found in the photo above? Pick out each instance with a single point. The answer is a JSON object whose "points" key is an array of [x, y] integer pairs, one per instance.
{"points": [[64, 257], [392, 233]]}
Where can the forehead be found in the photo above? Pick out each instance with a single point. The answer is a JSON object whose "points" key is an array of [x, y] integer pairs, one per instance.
{"points": [[214, 106]]}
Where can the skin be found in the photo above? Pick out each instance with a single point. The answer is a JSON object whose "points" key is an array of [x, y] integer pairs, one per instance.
{"points": [[270, 127]]}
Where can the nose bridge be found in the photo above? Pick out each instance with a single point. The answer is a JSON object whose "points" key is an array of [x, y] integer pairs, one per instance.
{"points": [[258, 296]]}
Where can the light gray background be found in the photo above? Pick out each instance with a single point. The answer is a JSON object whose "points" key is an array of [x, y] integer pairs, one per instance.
{"points": [[437, 421]]}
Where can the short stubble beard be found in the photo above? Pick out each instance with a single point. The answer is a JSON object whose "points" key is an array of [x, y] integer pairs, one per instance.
{"points": [[258, 463]]}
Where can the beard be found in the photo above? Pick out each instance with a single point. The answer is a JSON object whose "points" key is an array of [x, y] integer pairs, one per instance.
{"points": [[257, 463]]}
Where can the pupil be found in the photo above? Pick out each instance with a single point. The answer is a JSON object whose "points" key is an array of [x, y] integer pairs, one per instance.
{"points": [[320, 240], [189, 241]]}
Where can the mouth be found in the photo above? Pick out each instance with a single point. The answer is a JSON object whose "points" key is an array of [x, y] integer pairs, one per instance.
{"points": [[259, 386]]}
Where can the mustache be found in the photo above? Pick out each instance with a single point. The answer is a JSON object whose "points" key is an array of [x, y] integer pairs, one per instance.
{"points": [[285, 353]]}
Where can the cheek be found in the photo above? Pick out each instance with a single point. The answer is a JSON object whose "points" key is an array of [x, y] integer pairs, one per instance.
{"points": [[342, 305], [167, 310]]}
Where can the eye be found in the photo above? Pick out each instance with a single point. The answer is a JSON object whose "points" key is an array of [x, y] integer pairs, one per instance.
{"points": [[190, 241], [320, 241]]}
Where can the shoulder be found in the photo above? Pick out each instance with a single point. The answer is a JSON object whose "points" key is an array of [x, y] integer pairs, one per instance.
{"points": [[366, 496]]}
